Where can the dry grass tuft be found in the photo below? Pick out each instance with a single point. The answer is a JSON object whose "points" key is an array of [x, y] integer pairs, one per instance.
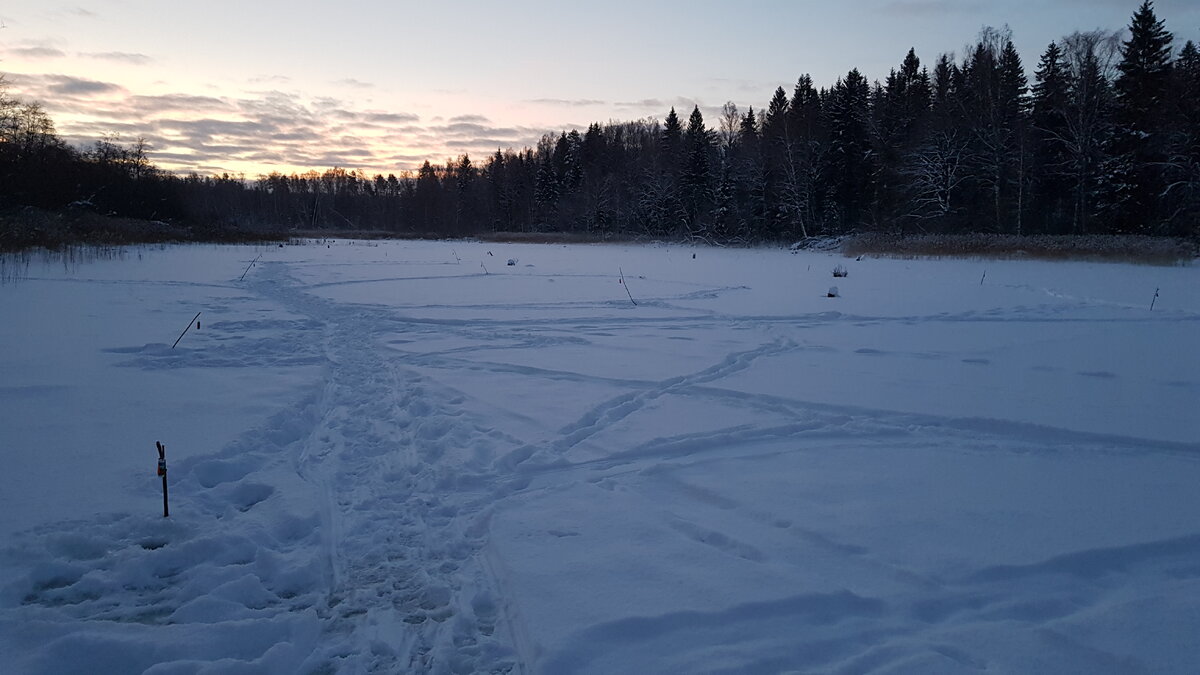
{"points": [[1136, 249]]}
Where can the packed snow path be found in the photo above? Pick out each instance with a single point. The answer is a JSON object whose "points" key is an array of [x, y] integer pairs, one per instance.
{"points": [[409, 457]]}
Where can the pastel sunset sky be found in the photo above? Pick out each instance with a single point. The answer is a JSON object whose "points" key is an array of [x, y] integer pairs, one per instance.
{"points": [[261, 85]]}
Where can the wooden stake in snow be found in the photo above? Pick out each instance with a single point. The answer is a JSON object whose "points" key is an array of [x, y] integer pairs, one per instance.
{"points": [[1152, 300], [248, 267], [626, 287], [185, 330], [162, 471], [982, 277]]}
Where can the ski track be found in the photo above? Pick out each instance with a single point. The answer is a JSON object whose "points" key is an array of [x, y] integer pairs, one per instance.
{"points": [[395, 482], [388, 448]]}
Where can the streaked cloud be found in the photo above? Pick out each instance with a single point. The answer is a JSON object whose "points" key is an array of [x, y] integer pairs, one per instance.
{"points": [[72, 87], [353, 83], [657, 106], [576, 102], [35, 53], [261, 130], [119, 57], [644, 103], [931, 7], [269, 79]]}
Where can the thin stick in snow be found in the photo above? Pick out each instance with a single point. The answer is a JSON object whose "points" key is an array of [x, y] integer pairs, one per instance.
{"points": [[1153, 299], [484, 268], [456, 258], [162, 471], [249, 266], [626, 287], [185, 330], [982, 277]]}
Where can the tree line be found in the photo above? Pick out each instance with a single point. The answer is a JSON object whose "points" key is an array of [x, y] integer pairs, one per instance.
{"points": [[1103, 138]]}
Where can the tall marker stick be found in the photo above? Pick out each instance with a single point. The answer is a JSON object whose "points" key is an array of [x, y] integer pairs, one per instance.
{"points": [[626, 287], [162, 471], [185, 330], [249, 266], [1153, 299]]}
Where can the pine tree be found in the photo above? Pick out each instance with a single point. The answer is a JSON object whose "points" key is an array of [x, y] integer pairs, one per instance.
{"points": [[945, 75], [748, 131], [546, 187], [900, 110], [1089, 125], [1182, 194], [775, 149], [775, 124], [850, 166], [697, 179], [806, 145], [748, 180], [1187, 79], [1145, 70], [571, 178], [671, 144], [464, 205], [1015, 108], [1051, 90], [1140, 145]]}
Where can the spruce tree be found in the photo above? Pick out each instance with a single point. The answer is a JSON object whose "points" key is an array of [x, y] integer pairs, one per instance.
{"points": [[1051, 90], [807, 144], [1089, 128], [697, 178], [1145, 70], [545, 192], [775, 124], [1183, 158], [775, 149], [1142, 87], [748, 176], [671, 144], [1014, 103], [850, 167]]}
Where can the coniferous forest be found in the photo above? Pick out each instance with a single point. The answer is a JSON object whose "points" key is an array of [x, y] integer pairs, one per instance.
{"points": [[1100, 135]]}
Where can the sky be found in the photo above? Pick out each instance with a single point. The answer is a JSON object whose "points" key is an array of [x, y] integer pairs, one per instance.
{"points": [[257, 86]]}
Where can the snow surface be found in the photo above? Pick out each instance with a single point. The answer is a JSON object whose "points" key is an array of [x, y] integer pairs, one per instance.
{"points": [[410, 456]]}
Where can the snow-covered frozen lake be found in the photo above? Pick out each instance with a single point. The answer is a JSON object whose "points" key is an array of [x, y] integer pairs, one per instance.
{"points": [[413, 457]]}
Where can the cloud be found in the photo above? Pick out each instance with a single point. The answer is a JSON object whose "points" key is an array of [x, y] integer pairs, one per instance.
{"points": [[36, 53], [261, 131], [644, 103], [269, 79], [391, 118], [740, 85], [472, 129], [476, 143], [356, 84], [72, 87], [120, 57], [931, 7], [210, 128], [168, 103], [374, 117], [576, 102], [474, 119]]}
